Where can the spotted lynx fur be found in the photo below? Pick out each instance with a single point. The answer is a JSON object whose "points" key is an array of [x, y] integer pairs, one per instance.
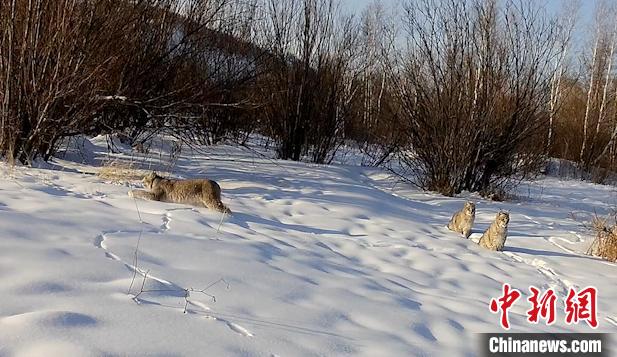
{"points": [[495, 236], [200, 192], [462, 221]]}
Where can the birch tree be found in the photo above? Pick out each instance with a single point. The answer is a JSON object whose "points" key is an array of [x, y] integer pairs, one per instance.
{"points": [[567, 23]]}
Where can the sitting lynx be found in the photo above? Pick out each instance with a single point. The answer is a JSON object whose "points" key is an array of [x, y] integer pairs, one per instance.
{"points": [[200, 192], [462, 221], [495, 236]]}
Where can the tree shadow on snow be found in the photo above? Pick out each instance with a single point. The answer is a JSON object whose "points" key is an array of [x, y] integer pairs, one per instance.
{"points": [[547, 253], [243, 220]]}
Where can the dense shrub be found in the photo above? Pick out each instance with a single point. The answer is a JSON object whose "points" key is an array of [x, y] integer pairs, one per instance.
{"points": [[474, 88]]}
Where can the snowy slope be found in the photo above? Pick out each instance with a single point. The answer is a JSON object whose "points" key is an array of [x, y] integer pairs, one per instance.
{"points": [[316, 260]]}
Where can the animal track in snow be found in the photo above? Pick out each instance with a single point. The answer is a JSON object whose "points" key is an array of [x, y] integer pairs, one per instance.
{"points": [[543, 269], [239, 329], [166, 218], [232, 326], [553, 241], [579, 239], [199, 305], [530, 219], [611, 320], [99, 242], [166, 222]]}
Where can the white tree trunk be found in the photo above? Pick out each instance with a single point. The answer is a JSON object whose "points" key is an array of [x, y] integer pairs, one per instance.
{"points": [[589, 95], [607, 80]]}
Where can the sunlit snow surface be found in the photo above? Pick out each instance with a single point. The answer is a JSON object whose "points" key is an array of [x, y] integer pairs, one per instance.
{"points": [[316, 260]]}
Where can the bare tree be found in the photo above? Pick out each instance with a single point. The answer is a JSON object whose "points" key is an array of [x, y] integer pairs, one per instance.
{"points": [[99, 66], [474, 87], [304, 90], [49, 84], [374, 123]]}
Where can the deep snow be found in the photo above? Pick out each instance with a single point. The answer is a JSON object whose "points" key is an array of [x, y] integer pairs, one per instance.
{"points": [[316, 260]]}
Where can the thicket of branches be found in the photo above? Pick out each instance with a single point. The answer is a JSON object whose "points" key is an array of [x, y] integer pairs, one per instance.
{"points": [[452, 94], [474, 85], [307, 87], [98, 66]]}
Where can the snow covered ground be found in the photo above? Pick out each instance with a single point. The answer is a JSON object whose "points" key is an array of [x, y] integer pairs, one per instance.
{"points": [[316, 260]]}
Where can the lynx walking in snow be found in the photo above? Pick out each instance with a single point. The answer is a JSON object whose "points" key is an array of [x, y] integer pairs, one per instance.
{"points": [[462, 221], [199, 192], [495, 236]]}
